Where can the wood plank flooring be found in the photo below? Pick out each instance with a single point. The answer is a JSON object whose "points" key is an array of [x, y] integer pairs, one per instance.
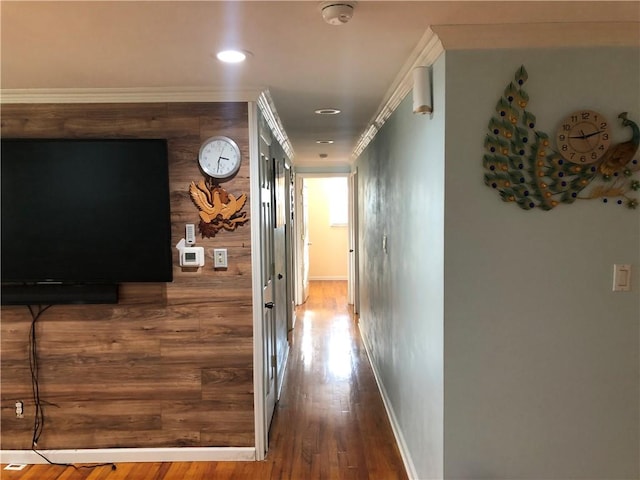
{"points": [[330, 422]]}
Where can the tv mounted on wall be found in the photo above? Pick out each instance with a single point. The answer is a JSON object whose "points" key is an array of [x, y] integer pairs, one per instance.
{"points": [[79, 217]]}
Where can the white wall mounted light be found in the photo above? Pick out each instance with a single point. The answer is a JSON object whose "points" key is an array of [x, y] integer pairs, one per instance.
{"points": [[422, 90]]}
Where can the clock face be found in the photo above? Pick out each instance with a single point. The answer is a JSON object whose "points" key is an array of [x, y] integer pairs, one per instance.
{"points": [[219, 157], [583, 137]]}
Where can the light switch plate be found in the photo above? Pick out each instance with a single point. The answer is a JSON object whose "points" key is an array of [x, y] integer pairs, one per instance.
{"points": [[621, 278], [220, 258]]}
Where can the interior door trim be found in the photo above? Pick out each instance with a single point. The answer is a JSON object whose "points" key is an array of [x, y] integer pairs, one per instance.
{"points": [[256, 281]]}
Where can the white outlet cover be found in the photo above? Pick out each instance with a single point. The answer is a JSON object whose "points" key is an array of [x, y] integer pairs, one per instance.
{"points": [[15, 466]]}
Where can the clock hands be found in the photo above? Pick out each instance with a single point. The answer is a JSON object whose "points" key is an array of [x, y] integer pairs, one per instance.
{"points": [[583, 136], [220, 158]]}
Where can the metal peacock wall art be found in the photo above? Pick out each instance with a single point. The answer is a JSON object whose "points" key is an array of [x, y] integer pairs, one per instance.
{"points": [[522, 166]]}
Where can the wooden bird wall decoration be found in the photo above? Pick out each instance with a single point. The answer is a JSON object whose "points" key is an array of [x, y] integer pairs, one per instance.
{"points": [[218, 209], [523, 167]]}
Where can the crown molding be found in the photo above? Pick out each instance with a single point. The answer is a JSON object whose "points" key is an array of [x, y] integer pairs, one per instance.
{"points": [[268, 109], [439, 38], [152, 95], [426, 52], [539, 35], [125, 95]]}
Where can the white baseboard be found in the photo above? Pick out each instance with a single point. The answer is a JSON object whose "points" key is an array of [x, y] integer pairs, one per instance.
{"points": [[282, 371], [338, 277], [137, 455], [395, 426]]}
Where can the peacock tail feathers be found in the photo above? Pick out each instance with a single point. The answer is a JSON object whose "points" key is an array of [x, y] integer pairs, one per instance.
{"points": [[524, 168]]}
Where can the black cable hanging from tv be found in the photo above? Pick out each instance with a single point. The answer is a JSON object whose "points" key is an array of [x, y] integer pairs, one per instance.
{"points": [[39, 417]]}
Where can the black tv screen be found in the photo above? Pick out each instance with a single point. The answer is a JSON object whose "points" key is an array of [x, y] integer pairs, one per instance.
{"points": [[85, 212]]}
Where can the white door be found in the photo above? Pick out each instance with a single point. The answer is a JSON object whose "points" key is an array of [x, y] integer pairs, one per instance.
{"points": [[302, 242], [305, 242], [267, 269], [280, 271], [353, 241]]}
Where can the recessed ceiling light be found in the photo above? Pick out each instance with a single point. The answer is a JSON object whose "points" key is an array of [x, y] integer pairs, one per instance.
{"points": [[231, 56], [326, 142], [327, 111]]}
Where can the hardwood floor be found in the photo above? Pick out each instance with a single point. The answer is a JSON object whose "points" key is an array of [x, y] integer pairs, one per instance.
{"points": [[330, 422]]}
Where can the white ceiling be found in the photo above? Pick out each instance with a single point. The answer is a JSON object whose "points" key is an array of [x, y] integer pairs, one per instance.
{"points": [[304, 62]]}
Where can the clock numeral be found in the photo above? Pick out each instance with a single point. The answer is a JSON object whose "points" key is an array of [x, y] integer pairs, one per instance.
{"points": [[573, 154], [594, 155], [605, 136], [585, 115], [583, 158], [603, 125], [601, 147], [566, 127], [562, 137], [564, 147], [574, 118]]}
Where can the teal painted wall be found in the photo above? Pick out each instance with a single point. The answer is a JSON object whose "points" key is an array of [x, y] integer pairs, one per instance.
{"points": [[541, 357], [401, 192], [501, 349]]}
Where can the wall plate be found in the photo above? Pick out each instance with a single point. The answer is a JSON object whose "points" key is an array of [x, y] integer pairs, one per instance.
{"points": [[621, 277]]}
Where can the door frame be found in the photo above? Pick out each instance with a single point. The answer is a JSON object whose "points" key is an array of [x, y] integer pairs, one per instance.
{"points": [[261, 433], [352, 227], [354, 274], [299, 240]]}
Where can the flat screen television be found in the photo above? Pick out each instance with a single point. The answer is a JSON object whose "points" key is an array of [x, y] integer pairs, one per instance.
{"points": [[79, 217]]}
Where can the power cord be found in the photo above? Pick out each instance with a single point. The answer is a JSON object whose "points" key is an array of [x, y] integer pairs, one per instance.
{"points": [[39, 418]]}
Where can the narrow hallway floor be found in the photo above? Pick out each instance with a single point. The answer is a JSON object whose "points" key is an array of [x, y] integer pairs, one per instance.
{"points": [[331, 422]]}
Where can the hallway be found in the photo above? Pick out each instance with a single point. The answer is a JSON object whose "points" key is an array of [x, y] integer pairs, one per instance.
{"points": [[330, 422]]}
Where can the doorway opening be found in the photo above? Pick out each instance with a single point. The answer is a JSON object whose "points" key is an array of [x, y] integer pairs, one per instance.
{"points": [[325, 239]]}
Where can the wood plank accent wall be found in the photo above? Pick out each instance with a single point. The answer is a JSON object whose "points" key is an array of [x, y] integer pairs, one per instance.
{"points": [[172, 364]]}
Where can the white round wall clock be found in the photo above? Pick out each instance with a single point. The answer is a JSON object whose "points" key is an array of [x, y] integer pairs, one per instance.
{"points": [[219, 157]]}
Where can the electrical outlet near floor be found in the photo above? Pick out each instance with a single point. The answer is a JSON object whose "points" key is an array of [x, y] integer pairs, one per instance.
{"points": [[20, 409]]}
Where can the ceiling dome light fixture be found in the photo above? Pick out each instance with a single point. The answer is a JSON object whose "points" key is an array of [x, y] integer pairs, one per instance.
{"points": [[337, 12], [324, 142], [231, 56], [327, 111]]}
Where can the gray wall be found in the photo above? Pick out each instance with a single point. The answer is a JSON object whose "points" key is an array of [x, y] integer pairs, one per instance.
{"points": [[541, 357], [540, 367], [401, 192]]}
